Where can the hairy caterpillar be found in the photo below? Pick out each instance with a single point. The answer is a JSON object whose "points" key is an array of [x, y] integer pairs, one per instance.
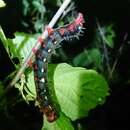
{"points": [[42, 56]]}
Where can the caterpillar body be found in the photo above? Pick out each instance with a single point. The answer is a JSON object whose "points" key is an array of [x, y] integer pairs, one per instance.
{"points": [[42, 56]]}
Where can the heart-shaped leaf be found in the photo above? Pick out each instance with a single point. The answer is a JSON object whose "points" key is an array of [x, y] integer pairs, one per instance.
{"points": [[78, 90]]}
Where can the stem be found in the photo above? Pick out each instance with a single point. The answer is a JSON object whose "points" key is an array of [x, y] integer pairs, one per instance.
{"points": [[42, 15], [5, 43], [37, 45], [69, 9], [104, 45], [120, 52], [106, 56], [59, 12], [101, 32], [4, 40]]}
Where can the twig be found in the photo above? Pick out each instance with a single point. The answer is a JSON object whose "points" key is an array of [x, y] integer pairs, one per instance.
{"points": [[106, 56], [42, 15], [101, 32], [120, 52], [69, 9], [4, 40], [37, 45], [104, 45]]}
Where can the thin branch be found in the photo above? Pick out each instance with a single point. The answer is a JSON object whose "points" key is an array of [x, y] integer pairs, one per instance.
{"points": [[101, 32], [37, 45], [119, 52], [106, 56], [104, 44], [4, 40], [70, 8]]}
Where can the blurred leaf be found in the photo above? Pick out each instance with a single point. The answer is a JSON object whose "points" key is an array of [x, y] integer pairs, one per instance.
{"points": [[37, 5], [62, 123], [52, 2], [13, 50], [33, 12], [89, 57], [78, 90], [1, 89], [2, 3], [110, 35], [59, 2], [38, 25], [26, 7], [107, 36]]}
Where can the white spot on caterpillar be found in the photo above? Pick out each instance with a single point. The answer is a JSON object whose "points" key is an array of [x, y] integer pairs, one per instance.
{"points": [[49, 50], [42, 70], [44, 60], [79, 27], [42, 80], [55, 42]]}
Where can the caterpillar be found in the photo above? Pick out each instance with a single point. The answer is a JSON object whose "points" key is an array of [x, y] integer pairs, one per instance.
{"points": [[42, 56]]}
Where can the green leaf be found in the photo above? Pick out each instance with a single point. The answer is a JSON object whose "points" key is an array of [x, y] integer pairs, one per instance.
{"points": [[2, 3], [62, 123], [78, 90], [22, 43], [38, 6], [30, 89], [4, 40], [89, 57], [110, 35], [26, 7]]}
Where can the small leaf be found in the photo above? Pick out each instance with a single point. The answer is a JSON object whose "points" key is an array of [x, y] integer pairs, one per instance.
{"points": [[37, 5], [78, 90], [89, 57], [110, 35], [26, 8], [62, 123]]}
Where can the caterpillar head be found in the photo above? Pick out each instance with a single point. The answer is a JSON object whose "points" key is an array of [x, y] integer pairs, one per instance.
{"points": [[79, 20], [75, 29]]}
